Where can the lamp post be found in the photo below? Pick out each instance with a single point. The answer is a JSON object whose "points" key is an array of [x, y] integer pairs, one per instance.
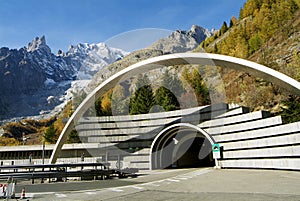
{"points": [[43, 153], [24, 138]]}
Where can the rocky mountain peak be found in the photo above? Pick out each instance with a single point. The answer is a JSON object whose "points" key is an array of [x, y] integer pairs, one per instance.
{"points": [[38, 43], [181, 40], [199, 33]]}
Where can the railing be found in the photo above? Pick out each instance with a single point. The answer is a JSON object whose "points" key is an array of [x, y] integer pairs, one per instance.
{"points": [[17, 161], [61, 172], [58, 171]]}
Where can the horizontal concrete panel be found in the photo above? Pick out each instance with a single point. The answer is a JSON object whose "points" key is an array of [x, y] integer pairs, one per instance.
{"points": [[264, 152], [129, 124], [234, 112], [130, 131], [136, 158], [263, 142], [272, 121], [259, 133], [139, 165], [161, 115], [101, 144], [142, 151], [233, 119], [110, 139], [278, 163]]}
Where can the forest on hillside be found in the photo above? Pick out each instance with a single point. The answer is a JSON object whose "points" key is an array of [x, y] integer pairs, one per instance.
{"points": [[266, 32]]}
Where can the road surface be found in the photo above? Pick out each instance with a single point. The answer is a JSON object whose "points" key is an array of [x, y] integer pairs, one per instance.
{"points": [[182, 184]]}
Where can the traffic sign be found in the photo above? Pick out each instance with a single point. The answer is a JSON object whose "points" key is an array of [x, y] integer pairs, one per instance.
{"points": [[216, 148]]}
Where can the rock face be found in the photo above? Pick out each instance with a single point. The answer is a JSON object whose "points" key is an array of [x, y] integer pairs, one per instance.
{"points": [[130, 59], [32, 74], [182, 41]]}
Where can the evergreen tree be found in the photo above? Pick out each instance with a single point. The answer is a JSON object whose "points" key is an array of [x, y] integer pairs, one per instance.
{"points": [[165, 98], [50, 134], [224, 28], [291, 113], [73, 137], [143, 98]]}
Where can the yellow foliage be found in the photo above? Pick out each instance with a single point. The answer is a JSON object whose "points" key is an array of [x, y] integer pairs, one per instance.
{"points": [[5, 141], [106, 101]]}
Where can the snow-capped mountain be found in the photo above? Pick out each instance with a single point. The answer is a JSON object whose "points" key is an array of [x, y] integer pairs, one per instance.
{"points": [[55, 68], [33, 80], [90, 58]]}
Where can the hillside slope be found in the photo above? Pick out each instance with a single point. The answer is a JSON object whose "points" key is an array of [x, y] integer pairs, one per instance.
{"points": [[267, 33]]}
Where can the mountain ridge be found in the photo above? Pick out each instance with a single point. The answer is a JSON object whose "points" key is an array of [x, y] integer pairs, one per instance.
{"points": [[181, 40], [33, 75]]}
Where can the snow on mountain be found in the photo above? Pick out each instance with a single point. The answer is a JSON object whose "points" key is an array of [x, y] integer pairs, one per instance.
{"points": [[92, 57], [34, 81]]}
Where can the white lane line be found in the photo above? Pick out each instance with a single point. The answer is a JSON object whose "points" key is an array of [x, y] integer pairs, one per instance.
{"points": [[149, 184], [173, 180], [60, 195], [116, 189], [90, 193], [202, 172], [182, 178], [137, 187]]}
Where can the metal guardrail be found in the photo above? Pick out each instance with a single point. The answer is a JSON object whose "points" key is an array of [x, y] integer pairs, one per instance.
{"points": [[65, 165], [87, 171], [58, 171]]}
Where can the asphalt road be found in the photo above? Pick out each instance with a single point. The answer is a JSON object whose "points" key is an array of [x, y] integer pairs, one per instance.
{"points": [[184, 184]]}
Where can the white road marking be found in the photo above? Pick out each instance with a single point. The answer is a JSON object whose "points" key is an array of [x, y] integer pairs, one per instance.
{"points": [[173, 180], [157, 183], [137, 187], [91, 193], [59, 195], [182, 178], [116, 189], [149, 184]]}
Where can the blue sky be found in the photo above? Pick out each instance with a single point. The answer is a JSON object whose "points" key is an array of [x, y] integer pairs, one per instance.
{"points": [[66, 22]]}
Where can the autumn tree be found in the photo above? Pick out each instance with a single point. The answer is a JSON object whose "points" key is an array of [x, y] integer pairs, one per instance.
{"points": [[194, 79], [103, 104], [233, 21]]}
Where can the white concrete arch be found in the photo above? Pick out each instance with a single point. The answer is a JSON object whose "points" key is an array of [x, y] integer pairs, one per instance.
{"points": [[175, 59]]}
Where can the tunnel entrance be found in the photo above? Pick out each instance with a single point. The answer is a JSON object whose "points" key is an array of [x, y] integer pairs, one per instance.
{"points": [[181, 147], [197, 154]]}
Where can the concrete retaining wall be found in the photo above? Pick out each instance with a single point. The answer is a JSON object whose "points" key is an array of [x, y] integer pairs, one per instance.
{"points": [[256, 140]]}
